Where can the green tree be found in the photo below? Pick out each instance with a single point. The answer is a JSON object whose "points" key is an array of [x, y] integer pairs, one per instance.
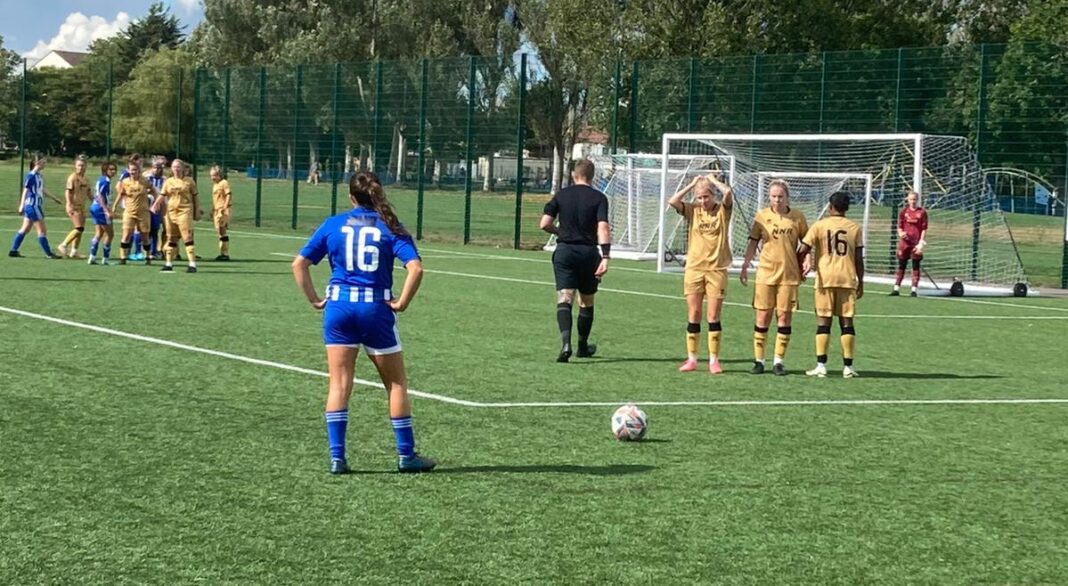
{"points": [[10, 80], [146, 105]]}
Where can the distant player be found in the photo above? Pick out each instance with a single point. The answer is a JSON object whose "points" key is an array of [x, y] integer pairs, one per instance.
{"points": [[834, 246], [583, 245], [360, 310], [31, 207], [156, 178], [778, 229], [912, 239], [76, 194], [708, 256], [221, 201], [104, 227], [182, 202], [133, 192]]}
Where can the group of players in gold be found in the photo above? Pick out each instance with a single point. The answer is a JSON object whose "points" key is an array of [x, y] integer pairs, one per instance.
{"points": [[149, 200], [788, 250]]}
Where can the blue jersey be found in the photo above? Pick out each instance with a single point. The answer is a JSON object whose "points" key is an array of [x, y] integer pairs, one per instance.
{"points": [[103, 189], [33, 203], [361, 249], [157, 182]]}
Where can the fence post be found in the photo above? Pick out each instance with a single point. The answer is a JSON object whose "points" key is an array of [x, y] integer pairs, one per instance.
{"points": [[897, 90], [691, 110], [823, 91], [469, 134], [617, 82], [421, 180], [335, 171], [22, 130], [226, 125], [197, 74], [521, 139], [977, 213], [1064, 254], [111, 104], [259, 145], [178, 116], [632, 142], [753, 95], [378, 118], [296, 137]]}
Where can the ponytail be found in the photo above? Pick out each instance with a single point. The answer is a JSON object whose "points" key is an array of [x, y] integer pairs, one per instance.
{"points": [[367, 190]]}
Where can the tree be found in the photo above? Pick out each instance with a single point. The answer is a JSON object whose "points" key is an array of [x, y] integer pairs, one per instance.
{"points": [[10, 79], [146, 105]]}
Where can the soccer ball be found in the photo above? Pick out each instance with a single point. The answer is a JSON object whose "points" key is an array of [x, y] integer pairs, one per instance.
{"points": [[629, 423]]}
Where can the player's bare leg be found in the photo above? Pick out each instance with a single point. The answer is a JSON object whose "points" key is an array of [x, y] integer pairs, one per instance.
{"points": [[715, 332], [782, 341], [341, 363], [585, 325], [564, 299], [395, 380], [694, 301]]}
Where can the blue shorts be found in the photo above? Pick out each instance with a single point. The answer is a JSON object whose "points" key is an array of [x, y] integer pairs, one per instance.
{"points": [[353, 323], [155, 221], [99, 217], [32, 213]]}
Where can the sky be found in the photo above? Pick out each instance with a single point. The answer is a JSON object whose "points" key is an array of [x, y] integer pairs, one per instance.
{"points": [[32, 28]]}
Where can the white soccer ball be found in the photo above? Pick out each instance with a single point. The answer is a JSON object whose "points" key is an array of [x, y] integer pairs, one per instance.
{"points": [[629, 423]]}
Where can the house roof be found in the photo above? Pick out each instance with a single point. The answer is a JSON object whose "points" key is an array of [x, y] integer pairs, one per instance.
{"points": [[72, 57]]}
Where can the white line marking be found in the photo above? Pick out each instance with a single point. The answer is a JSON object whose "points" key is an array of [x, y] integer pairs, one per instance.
{"points": [[731, 303], [465, 403], [1001, 303], [238, 357]]}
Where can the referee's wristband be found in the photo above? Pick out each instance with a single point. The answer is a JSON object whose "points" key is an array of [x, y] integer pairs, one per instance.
{"points": [[606, 250]]}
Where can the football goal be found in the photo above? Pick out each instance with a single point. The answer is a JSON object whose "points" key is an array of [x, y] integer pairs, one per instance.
{"points": [[970, 246]]}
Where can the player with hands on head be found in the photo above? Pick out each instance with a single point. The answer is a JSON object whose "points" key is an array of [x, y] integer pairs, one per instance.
{"points": [[360, 309], [708, 256]]}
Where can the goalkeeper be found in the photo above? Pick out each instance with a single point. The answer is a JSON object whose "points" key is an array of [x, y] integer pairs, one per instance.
{"points": [[708, 256], [912, 239]]}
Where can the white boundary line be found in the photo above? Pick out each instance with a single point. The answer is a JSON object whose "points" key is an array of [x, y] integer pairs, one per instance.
{"points": [[731, 303], [465, 403]]}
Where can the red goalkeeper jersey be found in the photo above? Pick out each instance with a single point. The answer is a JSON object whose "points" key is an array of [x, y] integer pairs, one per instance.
{"points": [[914, 223]]}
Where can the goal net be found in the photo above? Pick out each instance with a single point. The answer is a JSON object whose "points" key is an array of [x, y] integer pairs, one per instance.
{"points": [[632, 184], [968, 238]]}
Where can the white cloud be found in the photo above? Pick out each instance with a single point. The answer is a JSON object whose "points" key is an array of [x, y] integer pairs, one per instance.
{"points": [[189, 6], [78, 31]]}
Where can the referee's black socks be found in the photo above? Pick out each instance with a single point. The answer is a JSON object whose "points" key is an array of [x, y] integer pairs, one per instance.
{"points": [[585, 324], [563, 319]]}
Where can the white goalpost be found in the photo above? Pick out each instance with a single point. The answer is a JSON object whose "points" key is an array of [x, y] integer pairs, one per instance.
{"points": [[970, 245]]}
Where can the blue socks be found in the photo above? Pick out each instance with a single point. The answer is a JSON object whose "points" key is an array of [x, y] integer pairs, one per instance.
{"points": [[336, 424], [94, 245], [402, 429], [107, 251], [136, 242], [43, 241], [17, 242]]}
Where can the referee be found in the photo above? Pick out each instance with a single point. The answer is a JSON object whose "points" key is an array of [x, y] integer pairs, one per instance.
{"points": [[582, 250]]}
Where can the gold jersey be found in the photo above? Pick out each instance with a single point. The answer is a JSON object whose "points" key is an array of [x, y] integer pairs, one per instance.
{"points": [[136, 190], [219, 193], [778, 256], [79, 189], [179, 193], [709, 247], [835, 242]]}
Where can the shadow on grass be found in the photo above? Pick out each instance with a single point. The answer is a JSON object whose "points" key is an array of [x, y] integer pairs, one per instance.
{"points": [[610, 470], [51, 280], [606, 360], [925, 375]]}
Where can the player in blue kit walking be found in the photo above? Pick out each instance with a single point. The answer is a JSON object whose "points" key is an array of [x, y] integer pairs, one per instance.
{"points": [[31, 207], [360, 309]]}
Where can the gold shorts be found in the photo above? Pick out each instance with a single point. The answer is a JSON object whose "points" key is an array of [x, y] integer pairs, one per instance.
{"points": [[78, 209], [179, 226], [711, 283], [835, 301], [782, 298], [137, 220], [221, 218]]}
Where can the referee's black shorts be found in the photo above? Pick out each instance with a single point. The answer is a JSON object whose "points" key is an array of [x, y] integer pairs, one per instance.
{"points": [[574, 266]]}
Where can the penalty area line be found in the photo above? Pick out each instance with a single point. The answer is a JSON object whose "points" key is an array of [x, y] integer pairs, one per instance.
{"points": [[506, 405]]}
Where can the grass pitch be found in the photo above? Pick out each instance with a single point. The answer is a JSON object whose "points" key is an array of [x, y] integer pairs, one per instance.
{"points": [[127, 460]]}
